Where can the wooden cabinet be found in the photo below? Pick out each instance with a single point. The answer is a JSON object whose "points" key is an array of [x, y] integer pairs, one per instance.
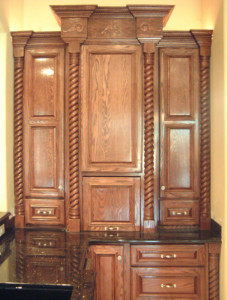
{"points": [[40, 118], [110, 266], [111, 203], [179, 136]]}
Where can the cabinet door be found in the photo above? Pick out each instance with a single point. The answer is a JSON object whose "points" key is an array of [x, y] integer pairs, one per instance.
{"points": [[108, 262], [111, 203], [179, 136], [43, 122], [179, 140], [43, 136], [111, 108]]}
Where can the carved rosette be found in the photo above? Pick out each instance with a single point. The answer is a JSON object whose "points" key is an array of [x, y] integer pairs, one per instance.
{"points": [[18, 134], [213, 276], [74, 210], [149, 136], [205, 137]]}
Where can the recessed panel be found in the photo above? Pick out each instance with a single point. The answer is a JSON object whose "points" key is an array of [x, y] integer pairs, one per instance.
{"points": [[111, 203], [110, 112], [43, 151], [43, 88], [179, 158], [179, 88]]}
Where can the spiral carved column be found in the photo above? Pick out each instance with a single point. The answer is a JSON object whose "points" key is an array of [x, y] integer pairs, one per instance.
{"points": [[214, 250], [18, 134], [205, 138], [74, 209], [149, 136]]}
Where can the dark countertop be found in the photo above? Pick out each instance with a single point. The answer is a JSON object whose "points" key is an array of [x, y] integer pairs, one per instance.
{"points": [[56, 259]]}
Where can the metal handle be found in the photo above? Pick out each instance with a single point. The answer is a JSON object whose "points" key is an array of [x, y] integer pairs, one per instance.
{"points": [[111, 228], [163, 187], [119, 257], [168, 256], [178, 213], [61, 188], [43, 212], [168, 285]]}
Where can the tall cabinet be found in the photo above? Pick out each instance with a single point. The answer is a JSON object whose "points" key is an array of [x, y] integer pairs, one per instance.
{"points": [[112, 134]]}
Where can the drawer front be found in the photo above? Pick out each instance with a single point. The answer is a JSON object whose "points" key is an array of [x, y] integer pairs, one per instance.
{"points": [[168, 283], [46, 212], [46, 243], [168, 255], [179, 212]]}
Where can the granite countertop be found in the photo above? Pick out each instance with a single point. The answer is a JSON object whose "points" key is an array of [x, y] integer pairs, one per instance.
{"points": [[57, 259]]}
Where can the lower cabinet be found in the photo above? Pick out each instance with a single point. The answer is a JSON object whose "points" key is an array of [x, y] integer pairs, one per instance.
{"points": [[162, 272], [109, 262]]}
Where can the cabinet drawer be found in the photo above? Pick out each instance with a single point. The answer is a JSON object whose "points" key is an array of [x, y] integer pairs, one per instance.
{"points": [[179, 212], [168, 255], [48, 243], [46, 211], [168, 283]]}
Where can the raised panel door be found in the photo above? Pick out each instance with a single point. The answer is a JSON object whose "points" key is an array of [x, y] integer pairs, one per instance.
{"points": [[111, 203], [43, 122], [179, 130], [111, 108], [108, 262]]}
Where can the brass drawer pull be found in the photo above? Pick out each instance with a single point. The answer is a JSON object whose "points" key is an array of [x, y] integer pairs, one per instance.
{"points": [[168, 256], [44, 212], [177, 213], [168, 285], [111, 228]]}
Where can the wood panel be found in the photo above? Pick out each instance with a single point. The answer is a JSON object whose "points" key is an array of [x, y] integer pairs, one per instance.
{"points": [[111, 108], [179, 123], [43, 122], [168, 283], [111, 203], [108, 262], [44, 211], [168, 255], [174, 211]]}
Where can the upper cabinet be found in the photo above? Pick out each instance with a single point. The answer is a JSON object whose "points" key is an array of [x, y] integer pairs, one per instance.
{"points": [[111, 108], [112, 122]]}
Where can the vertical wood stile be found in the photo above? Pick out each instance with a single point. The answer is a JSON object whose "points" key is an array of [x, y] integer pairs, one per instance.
{"points": [[18, 134], [214, 271], [149, 136], [74, 209]]}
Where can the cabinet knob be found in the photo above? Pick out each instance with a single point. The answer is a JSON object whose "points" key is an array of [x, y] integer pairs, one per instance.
{"points": [[119, 257], [168, 285], [163, 188], [61, 188]]}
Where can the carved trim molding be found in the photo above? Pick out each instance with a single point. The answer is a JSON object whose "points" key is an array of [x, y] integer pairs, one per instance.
{"points": [[214, 251], [203, 39], [149, 136], [205, 137], [74, 209], [18, 134]]}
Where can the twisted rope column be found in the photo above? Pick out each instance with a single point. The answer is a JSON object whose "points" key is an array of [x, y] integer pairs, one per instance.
{"points": [[149, 136], [214, 251], [205, 138], [18, 134], [74, 209]]}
